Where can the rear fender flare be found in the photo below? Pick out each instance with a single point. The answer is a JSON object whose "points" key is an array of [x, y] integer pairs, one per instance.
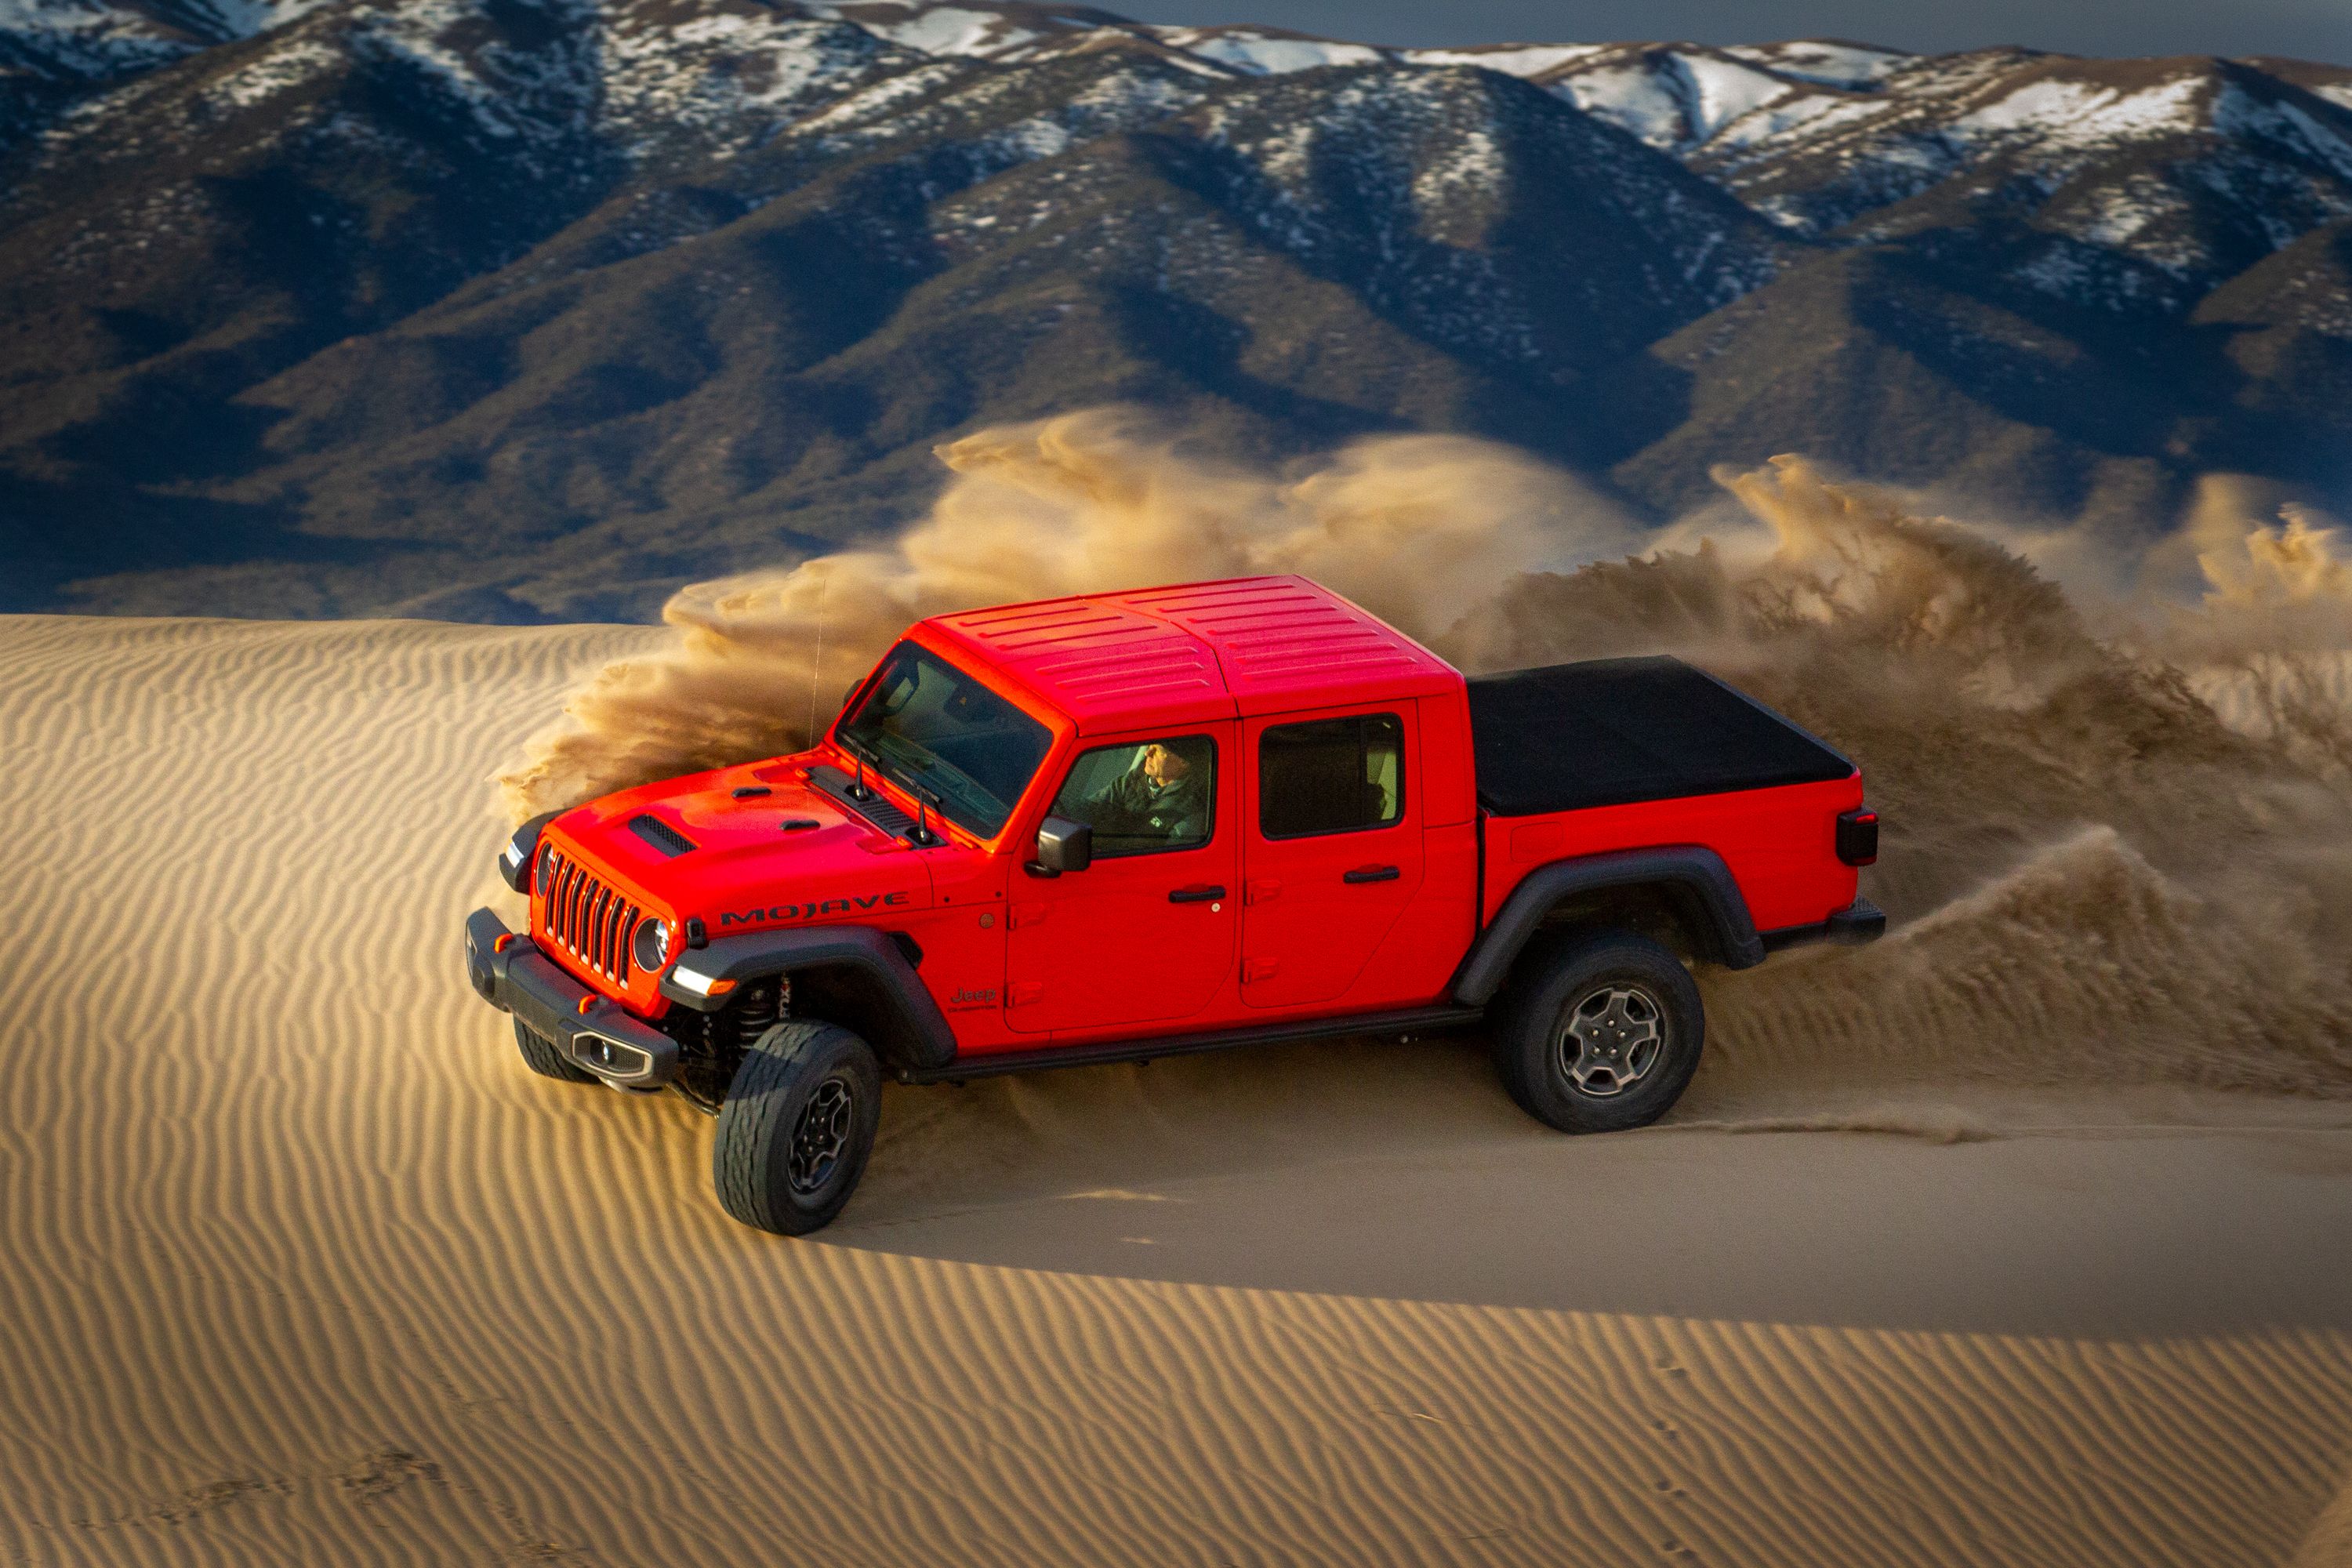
{"points": [[907, 1028], [1702, 883]]}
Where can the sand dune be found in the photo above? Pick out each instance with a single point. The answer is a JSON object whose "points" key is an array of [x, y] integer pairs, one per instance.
{"points": [[303, 1268]]}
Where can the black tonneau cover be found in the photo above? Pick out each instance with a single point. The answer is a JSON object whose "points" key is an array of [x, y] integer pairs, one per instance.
{"points": [[1611, 730]]}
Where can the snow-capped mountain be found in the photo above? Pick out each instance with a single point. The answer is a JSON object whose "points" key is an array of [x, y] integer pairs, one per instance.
{"points": [[310, 301]]}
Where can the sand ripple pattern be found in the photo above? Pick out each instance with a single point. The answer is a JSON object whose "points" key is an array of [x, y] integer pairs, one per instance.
{"points": [[301, 1267]]}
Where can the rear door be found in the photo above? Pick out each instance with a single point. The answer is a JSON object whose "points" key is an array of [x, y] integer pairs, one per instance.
{"points": [[1331, 851], [1147, 934]]}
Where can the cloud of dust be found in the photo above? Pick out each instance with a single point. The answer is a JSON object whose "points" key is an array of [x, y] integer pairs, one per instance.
{"points": [[1416, 528], [2266, 645], [2111, 856]]}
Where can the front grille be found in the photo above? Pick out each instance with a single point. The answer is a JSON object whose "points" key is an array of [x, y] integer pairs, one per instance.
{"points": [[587, 916]]}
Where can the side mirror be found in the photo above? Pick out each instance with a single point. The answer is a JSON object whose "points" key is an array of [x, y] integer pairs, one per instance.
{"points": [[1063, 846]]}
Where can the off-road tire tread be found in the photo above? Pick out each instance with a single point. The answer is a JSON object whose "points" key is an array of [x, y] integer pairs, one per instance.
{"points": [[1522, 1033], [540, 1054], [750, 1130]]}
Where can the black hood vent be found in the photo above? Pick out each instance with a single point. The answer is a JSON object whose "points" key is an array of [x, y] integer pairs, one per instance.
{"points": [[661, 834]]}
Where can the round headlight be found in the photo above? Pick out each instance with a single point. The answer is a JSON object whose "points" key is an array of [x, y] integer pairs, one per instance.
{"points": [[652, 944]]}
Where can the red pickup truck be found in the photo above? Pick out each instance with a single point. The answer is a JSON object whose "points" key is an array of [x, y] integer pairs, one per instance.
{"points": [[1133, 825]]}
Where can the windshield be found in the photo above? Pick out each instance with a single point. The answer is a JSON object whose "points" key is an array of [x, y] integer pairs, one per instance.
{"points": [[930, 728]]}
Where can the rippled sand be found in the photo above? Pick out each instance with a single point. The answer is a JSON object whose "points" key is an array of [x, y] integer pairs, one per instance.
{"points": [[302, 1266]]}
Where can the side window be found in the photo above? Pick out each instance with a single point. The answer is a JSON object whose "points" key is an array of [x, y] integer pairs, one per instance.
{"points": [[1330, 775], [1144, 796]]}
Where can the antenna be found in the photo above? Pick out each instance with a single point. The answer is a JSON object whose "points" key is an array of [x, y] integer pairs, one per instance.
{"points": [[858, 789], [816, 661], [923, 833]]}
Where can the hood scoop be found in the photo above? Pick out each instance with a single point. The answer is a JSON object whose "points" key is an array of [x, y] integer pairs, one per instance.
{"points": [[661, 836]]}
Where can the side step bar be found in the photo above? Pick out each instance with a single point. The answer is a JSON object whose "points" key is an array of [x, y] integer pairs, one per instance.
{"points": [[1412, 1021]]}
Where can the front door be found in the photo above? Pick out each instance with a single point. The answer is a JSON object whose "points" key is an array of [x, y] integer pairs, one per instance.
{"points": [[1147, 934], [1332, 852]]}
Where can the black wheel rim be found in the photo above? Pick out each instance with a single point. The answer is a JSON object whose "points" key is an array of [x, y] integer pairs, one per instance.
{"points": [[821, 1136], [1611, 1038]]}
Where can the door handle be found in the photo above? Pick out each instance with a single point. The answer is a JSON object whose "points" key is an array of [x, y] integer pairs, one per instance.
{"points": [[1195, 895], [1371, 874]]}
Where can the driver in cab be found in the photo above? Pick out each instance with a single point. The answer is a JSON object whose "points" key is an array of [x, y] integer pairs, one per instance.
{"points": [[1159, 799]]}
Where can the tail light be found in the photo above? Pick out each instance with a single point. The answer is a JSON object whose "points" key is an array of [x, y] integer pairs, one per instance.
{"points": [[1857, 837]]}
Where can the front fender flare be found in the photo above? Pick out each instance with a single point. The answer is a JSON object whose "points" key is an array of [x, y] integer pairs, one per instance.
{"points": [[514, 861], [914, 1031], [1695, 875]]}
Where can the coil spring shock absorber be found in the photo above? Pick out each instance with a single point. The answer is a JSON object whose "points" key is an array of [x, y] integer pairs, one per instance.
{"points": [[763, 1003]]}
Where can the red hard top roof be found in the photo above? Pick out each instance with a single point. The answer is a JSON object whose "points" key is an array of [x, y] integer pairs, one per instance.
{"points": [[1197, 651]]}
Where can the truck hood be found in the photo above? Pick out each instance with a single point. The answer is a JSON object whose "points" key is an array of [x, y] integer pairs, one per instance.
{"points": [[696, 847]]}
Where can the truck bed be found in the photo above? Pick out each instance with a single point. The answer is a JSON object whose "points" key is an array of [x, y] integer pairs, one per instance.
{"points": [[1613, 731]]}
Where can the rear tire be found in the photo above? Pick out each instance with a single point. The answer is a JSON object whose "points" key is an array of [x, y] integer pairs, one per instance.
{"points": [[796, 1127], [1600, 1035], [540, 1054]]}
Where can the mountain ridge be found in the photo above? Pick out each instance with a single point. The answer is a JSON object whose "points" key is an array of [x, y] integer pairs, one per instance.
{"points": [[535, 309]]}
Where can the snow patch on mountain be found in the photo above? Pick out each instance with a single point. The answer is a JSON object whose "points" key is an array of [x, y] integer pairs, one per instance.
{"points": [[720, 74], [1855, 67], [1134, 97], [1809, 115], [1524, 60], [2058, 113], [935, 29], [1646, 103], [1258, 53], [865, 113], [1723, 90], [269, 75]]}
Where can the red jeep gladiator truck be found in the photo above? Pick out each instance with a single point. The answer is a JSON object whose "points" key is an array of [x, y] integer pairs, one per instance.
{"points": [[1135, 825]]}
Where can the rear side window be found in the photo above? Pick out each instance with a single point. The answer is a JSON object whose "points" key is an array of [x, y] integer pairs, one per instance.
{"points": [[1330, 775]]}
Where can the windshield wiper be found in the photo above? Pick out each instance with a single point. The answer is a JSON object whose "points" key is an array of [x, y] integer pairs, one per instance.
{"points": [[901, 762]]}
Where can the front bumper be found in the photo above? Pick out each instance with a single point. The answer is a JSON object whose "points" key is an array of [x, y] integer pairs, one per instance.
{"points": [[595, 1033]]}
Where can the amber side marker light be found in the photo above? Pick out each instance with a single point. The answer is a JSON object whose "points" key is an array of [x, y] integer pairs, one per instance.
{"points": [[1857, 837], [503, 943], [585, 1004]]}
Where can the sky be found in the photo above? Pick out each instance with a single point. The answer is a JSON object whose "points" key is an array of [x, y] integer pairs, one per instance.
{"points": [[2307, 29]]}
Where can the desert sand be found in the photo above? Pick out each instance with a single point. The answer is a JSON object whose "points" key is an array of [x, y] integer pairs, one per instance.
{"points": [[302, 1266]]}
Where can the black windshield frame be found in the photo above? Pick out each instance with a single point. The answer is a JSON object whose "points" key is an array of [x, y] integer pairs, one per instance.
{"points": [[942, 734]]}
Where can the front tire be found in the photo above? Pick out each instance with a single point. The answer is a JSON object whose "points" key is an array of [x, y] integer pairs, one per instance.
{"points": [[796, 1127], [1600, 1035], [540, 1054]]}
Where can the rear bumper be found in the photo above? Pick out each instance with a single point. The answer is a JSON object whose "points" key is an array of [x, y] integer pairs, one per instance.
{"points": [[1858, 922], [604, 1038]]}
